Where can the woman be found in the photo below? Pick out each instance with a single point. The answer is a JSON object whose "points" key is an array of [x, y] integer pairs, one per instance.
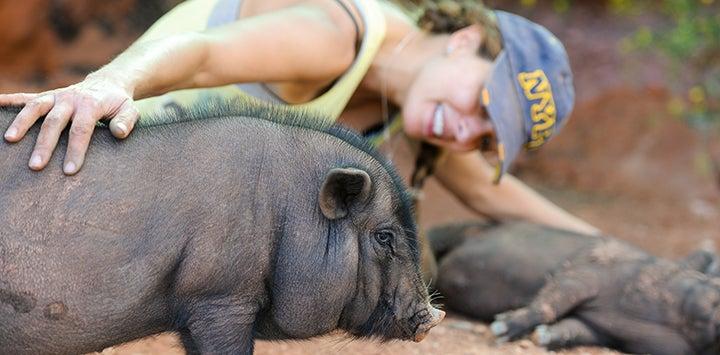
{"points": [[447, 72]]}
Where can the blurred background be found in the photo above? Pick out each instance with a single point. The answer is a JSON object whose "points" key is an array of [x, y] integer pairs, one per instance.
{"points": [[640, 157]]}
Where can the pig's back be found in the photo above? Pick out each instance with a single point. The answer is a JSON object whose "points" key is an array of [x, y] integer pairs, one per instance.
{"points": [[87, 257], [539, 247], [502, 267]]}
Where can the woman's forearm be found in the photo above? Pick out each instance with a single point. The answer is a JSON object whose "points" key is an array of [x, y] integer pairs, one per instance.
{"points": [[469, 178], [315, 42], [512, 199], [155, 67]]}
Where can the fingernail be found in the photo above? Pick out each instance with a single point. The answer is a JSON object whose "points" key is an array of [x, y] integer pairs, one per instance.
{"points": [[35, 161], [11, 133], [69, 168], [122, 128]]}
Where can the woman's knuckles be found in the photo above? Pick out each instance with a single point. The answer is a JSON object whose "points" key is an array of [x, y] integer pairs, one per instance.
{"points": [[81, 129]]}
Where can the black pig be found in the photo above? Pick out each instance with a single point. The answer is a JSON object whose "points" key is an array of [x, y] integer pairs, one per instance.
{"points": [[230, 223], [572, 289]]}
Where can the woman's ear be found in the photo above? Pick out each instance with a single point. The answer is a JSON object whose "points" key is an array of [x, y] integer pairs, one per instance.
{"points": [[465, 39]]}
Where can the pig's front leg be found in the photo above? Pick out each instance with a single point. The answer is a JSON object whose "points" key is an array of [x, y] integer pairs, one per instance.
{"points": [[703, 260], [560, 295], [568, 332], [647, 338], [187, 341], [221, 325]]}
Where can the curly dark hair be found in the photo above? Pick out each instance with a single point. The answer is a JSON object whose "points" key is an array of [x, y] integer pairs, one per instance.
{"points": [[445, 16]]}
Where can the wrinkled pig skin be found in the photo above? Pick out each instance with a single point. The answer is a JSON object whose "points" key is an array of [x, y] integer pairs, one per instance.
{"points": [[570, 289], [222, 229]]}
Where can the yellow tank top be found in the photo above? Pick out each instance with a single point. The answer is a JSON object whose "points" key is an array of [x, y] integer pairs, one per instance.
{"points": [[197, 15]]}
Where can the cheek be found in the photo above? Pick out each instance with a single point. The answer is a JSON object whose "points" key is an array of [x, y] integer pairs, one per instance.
{"points": [[411, 124], [414, 114]]}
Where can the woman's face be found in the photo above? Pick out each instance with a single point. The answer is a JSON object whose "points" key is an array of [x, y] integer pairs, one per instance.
{"points": [[443, 103]]}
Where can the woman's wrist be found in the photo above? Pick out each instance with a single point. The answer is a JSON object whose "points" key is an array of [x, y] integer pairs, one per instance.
{"points": [[116, 78]]}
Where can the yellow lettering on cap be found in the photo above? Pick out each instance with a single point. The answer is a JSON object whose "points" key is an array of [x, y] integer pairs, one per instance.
{"points": [[499, 165], [485, 95], [536, 87]]}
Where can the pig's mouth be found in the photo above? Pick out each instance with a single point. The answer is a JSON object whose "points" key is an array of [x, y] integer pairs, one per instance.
{"points": [[426, 319], [386, 324]]}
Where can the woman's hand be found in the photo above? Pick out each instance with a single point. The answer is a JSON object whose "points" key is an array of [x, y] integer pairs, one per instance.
{"points": [[84, 104], [189, 59]]}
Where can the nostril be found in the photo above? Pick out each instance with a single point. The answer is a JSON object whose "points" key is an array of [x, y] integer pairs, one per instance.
{"points": [[437, 316]]}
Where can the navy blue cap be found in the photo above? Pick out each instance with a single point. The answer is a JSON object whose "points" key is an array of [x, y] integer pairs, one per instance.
{"points": [[529, 94]]}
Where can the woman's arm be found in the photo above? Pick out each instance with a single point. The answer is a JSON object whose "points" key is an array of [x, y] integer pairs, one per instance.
{"points": [[312, 42], [469, 177]]}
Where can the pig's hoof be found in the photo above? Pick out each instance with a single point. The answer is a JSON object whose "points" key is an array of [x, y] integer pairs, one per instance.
{"points": [[541, 336], [501, 340], [498, 328], [502, 316], [513, 325], [713, 269]]}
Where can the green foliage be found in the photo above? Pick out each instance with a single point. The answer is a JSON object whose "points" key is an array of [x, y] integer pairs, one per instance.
{"points": [[690, 39], [694, 28], [559, 6]]}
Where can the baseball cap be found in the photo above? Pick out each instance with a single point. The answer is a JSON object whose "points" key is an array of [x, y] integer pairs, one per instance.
{"points": [[529, 94]]}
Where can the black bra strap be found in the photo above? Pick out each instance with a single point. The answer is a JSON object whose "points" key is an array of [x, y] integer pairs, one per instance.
{"points": [[354, 21]]}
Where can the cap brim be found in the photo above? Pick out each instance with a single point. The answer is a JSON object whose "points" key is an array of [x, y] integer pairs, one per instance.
{"points": [[503, 107]]}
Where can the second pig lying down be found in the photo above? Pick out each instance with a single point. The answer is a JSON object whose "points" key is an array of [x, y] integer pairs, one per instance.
{"points": [[569, 289]]}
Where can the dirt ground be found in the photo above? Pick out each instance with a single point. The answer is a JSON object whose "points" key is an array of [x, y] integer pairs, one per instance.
{"points": [[622, 163]]}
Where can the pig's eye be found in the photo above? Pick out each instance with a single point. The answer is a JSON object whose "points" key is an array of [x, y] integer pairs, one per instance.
{"points": [[384, 237]]}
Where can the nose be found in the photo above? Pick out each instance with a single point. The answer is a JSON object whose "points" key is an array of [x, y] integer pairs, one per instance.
{"points": [[470, 129], [436, 316]]}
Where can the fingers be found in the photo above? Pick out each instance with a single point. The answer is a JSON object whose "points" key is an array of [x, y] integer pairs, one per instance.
{"points": [[83, 104], [16, 99], [81, 131], [54, 123], [124, 121], [33, 110]]}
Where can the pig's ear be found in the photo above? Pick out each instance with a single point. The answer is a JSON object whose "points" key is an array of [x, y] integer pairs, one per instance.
{"points": [[343, 189]]}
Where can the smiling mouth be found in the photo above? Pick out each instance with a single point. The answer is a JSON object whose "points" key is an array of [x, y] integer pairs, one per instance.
{"points": [[438, 124]]}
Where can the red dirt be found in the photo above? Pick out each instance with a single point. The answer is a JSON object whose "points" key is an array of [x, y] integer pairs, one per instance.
{"points": [[622, 163]]}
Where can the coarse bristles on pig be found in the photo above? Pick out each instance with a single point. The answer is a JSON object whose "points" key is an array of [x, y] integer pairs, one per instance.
{"points": [[224, 222], [574, 290]]}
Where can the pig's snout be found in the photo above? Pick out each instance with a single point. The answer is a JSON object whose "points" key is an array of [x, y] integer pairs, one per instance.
{"points": [[435, 317]]}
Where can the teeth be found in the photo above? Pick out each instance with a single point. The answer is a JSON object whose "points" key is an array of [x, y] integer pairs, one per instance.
{"points": [[438, 121]]}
